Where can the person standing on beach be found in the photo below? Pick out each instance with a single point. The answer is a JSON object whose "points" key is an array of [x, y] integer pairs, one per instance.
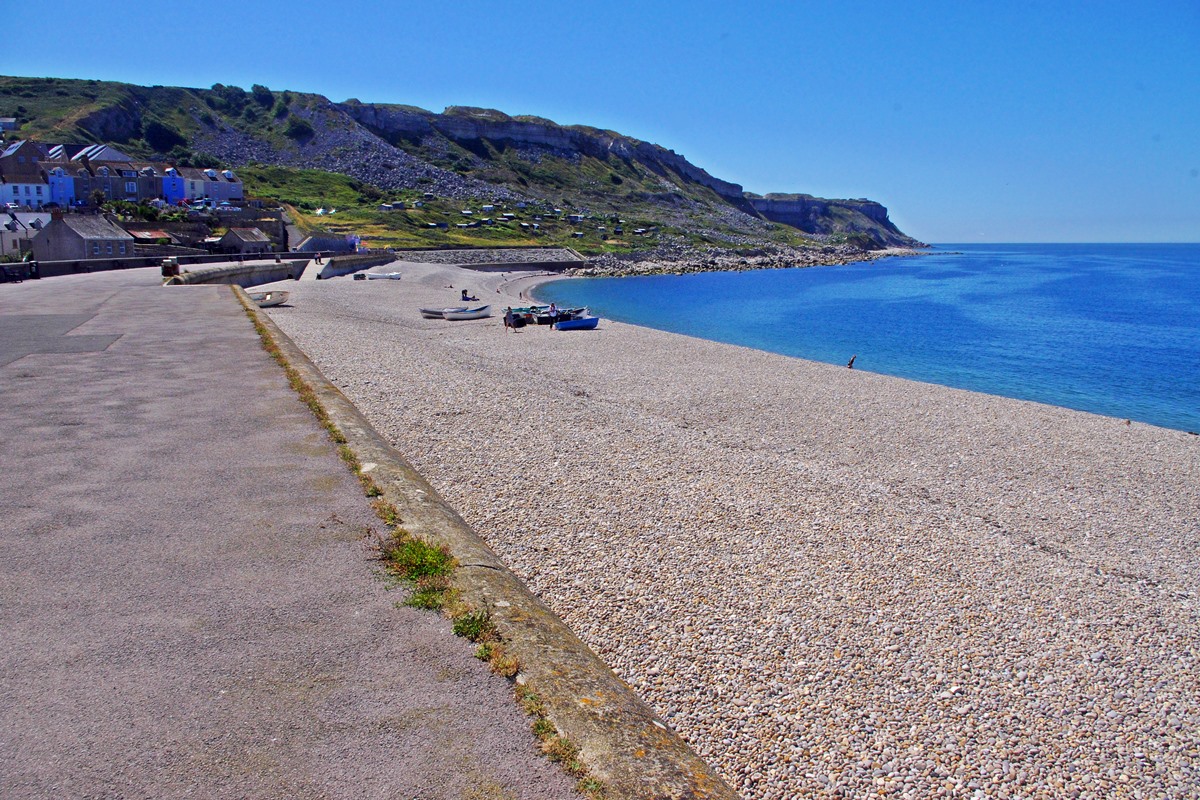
{"points": [[851, 364]]}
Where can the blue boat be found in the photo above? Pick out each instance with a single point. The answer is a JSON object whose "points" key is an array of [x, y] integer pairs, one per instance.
{"points": [[578, 324]]}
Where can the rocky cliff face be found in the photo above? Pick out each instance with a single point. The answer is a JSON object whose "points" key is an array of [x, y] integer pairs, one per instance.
{"points": [[463, 124], [817, 215]]}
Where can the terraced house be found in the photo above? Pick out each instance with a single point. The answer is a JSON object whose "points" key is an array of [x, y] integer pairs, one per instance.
{"points": [[34, 175]]}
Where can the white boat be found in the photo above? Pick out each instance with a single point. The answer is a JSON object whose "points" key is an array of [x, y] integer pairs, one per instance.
{"points": [[439, 313], [268, 299], [467, 313], [383, 276]]}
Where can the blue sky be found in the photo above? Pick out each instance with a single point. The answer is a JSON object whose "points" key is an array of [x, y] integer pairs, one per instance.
{"points": [[971, 122]]}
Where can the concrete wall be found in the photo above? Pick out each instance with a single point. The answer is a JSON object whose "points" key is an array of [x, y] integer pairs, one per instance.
{"points": [[344, 265], [242, 274]]}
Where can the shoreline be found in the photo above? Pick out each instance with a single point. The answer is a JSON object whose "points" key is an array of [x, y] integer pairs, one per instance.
{"points": [[825, 579], [526, 287]]}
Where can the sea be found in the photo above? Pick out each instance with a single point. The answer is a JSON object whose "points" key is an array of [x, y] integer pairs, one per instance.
{"points": [[1113, 329]]}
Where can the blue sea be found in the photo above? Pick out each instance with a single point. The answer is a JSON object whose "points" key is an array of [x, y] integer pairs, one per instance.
{"points": [[1109, 328]]}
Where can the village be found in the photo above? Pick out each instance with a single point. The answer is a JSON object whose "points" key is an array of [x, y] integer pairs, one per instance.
{"points": [[64, 203]]}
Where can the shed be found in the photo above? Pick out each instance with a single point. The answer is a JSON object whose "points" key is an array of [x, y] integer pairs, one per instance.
{"points": [[245, 240]]}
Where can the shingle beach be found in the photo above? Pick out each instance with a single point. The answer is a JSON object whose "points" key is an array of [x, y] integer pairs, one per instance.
{"points": [[832, 583]]}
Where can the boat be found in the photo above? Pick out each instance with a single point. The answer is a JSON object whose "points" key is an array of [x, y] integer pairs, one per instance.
{"points": [[577, 324], [439, 313], [268, 299], [467, 313], [383, 276], [546, 318]]}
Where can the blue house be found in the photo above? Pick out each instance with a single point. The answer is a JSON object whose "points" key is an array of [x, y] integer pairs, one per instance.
{"points": [[173, 188], [62, 185]]}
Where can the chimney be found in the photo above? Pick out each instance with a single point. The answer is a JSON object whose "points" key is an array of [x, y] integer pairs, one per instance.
{"points": [[56, 214]]}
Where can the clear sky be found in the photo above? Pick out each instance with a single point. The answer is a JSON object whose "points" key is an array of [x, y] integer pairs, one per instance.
{"points": [[971, 122]]}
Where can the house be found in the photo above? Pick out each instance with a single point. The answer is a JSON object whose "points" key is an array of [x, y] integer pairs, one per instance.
{"points": [[21, 181], [72, 237], [61, 180], [244, 241], [575, 218], [17, 230], [488, 208], [8, 123]]}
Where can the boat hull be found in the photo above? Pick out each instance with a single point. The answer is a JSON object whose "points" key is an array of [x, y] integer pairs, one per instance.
{"points": [[268, 299], [580, 324], [469, 313]]}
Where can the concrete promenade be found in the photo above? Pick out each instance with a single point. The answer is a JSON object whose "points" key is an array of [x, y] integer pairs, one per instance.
{"points": [[188, 601]]}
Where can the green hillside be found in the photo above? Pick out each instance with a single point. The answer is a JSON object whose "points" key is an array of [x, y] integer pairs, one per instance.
{"points": [[311, 153]]}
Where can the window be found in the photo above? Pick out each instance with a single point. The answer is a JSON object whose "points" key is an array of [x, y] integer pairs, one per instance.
{"points": [[131, 187], [96, 249], [39, 188], [110, 248], [122, 246]]}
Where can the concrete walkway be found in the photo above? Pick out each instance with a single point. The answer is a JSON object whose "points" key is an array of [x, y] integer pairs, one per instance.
{"points": [[188, 607]]}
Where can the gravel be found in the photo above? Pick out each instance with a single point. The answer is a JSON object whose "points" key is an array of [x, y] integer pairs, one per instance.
{"points": [[830, 582]]}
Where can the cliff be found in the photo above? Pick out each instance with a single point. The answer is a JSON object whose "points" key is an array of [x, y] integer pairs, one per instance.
{"points": [[817, 215]]}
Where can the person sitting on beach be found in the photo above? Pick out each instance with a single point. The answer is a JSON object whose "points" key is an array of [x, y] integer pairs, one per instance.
{"points": [[466, 297]]}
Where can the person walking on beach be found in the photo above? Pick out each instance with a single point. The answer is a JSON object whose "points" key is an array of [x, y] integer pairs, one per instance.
{"points": [[509, 320]]}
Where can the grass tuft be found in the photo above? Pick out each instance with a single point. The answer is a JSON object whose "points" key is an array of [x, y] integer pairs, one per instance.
{"points": [[386, 511], [414, 559], [475, 626]]}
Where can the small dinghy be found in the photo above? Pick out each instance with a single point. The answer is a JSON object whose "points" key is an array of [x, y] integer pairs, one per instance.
{"points": [[467, 313], [439, 313], [383, 276], [577, 324], [268, 299]]}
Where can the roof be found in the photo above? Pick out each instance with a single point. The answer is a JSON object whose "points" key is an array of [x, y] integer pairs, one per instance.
{"points": [[249, 235], [101, 152], [94, 227], [12, 148], [150, 235]]}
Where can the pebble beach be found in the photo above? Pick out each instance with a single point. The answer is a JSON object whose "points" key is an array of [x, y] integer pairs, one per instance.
{"points": [[831, 583]]}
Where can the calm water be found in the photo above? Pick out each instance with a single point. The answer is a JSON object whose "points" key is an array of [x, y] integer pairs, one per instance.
{"points": [[1112, 329]]}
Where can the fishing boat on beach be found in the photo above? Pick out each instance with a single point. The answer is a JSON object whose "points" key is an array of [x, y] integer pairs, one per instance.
{"points": [[467, 313], [268, 299], [577, 324], [439, 313], [549, 317]]}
